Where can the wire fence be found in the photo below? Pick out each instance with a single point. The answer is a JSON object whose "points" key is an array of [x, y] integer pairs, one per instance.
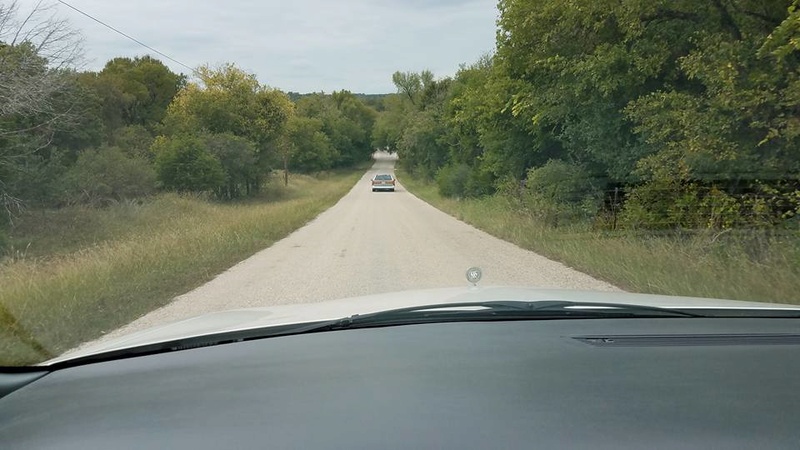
{"points": [[681, 208]]}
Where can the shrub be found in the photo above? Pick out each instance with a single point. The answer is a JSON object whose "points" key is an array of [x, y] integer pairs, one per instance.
{"points": [[4, 241], [664, 203], [237, 156], [134, 140], [452, 180], [560, 192], [104, 175], [37, 182], [480, 183], [184, 164]]}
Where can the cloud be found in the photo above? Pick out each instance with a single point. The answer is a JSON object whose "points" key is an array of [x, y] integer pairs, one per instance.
{"points": [[302, 45]]}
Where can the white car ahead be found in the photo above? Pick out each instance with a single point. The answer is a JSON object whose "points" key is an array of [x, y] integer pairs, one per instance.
{"points": [[383, 182]]}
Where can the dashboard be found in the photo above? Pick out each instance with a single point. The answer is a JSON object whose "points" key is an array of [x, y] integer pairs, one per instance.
{"points": [[598, 383]]}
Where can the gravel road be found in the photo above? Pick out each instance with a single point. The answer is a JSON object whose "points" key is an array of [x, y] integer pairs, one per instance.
{"points": [[369, 243]]}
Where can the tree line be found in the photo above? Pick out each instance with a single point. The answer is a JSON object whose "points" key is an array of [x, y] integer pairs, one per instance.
{"points": [[135, 127], [634, 113]]}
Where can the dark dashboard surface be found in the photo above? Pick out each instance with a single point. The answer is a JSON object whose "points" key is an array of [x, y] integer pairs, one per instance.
{"points": [[525, 384]]}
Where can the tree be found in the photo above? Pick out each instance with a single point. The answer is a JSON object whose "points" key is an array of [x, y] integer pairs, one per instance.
{"points": [[414, 122], [232, 101], [672, 93], [483, 133], [237, 156], [423, 146], [134, 140], [409, 84], [36, 92], [105, 175], [346, 121], [184, 164], [310, 148], [390, 123], [35, 52], [672, 102], [147, 87], [129, 92]]}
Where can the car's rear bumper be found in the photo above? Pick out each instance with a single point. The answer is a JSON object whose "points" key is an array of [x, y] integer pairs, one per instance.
{"points": [[382, 188]]}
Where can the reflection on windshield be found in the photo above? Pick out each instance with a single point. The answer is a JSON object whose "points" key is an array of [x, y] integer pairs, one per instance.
{"points": [[641, 146]]}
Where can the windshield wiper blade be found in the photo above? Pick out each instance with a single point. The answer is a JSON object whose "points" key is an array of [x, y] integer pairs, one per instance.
{"points": [[613, 308], [505, 310], [192, 342], [446, 312]]}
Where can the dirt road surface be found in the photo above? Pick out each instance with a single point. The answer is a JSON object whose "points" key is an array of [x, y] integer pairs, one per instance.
{"points": [[368, 243]]}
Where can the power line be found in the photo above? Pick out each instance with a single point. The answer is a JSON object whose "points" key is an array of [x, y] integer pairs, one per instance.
{"points": [[127, 36]]}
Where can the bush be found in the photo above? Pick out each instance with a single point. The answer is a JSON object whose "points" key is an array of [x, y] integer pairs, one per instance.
{"points": [[479, 183], [104, 175], [664, 203], [238, 159], [37, 182], [311, 148], [134, 140], [184, 164], [560, 192], [462, 181], [4, 241], [452, 180]]}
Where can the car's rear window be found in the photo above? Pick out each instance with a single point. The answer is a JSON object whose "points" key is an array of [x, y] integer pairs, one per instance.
{"points": [[383, 177]]}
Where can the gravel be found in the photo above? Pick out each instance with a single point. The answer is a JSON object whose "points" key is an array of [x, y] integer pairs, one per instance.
{"points": [[368, 243]]}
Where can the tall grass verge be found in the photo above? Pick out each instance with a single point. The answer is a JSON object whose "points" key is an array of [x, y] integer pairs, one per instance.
{"points": [[740, 264], [76, 273]]}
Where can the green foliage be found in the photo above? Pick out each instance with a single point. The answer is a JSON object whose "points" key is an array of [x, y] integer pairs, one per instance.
{"points": [[37, 181], [107, 175], [51, 119], [128, 92], [134, 140], [452, 180], [409, 85], [38, 109], [668, 204], [782, 42], [459, 180], [5, 242], [144, 86], [237, 156], [389, 125], [690, 108], [347, 124], [560, 192], [184, 164], [422, 147], [311, 149], [230, 100]]}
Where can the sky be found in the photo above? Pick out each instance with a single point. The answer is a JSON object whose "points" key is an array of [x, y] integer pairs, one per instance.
{"points": [[293, 45]]}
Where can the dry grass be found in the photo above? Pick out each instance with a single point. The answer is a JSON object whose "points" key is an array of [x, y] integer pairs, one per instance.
{"points": [[80, 272], [742, 265]]}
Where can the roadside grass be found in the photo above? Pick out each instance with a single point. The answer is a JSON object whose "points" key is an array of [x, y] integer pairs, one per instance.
{"points": [[739, 265], [77, 273]]}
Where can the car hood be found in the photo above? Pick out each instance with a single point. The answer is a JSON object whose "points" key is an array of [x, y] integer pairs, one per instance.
{"points": [[254, 318]]}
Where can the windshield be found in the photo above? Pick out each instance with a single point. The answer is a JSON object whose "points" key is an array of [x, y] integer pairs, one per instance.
{"points": [[159, 161]]}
